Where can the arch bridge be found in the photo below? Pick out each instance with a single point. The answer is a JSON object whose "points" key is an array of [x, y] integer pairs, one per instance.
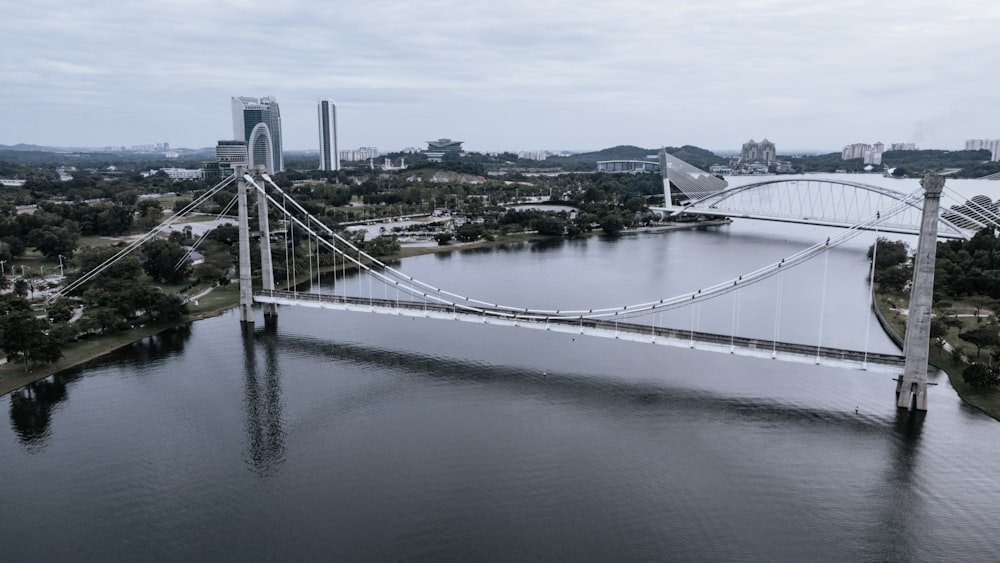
{"points": [[813, 201]]}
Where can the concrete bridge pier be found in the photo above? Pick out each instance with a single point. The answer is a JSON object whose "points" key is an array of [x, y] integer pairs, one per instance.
{"points": [[246, 282], [266, 268], [911, 387]]}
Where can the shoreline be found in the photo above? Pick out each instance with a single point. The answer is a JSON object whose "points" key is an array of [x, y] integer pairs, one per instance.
{"points": [[81, 352], [984, 400]]}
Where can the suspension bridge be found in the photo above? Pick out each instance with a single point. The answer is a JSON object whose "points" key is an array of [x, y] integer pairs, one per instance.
{"points": [[393, 292]]}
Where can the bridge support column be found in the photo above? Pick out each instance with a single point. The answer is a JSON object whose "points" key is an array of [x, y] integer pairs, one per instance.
{"points": [[266, 268], [246, 283], [911, 387]]}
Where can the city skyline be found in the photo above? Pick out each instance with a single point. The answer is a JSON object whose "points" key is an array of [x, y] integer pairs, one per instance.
{"points": [[509, 75]]}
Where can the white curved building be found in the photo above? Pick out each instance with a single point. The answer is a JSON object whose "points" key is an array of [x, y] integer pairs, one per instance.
{"points": [[257, 122]]}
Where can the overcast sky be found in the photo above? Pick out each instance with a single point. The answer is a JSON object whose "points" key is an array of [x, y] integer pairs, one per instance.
{"points": [[505, 74]]}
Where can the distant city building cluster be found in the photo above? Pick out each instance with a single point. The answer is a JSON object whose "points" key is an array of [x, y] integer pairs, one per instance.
{"points": [[359, 154], [903, 147], [156, 147], [872, 154], [532, 155], [992, 145], [755, 158]]}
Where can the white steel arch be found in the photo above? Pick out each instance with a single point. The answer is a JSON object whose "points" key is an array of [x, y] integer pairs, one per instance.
{"points": [[829, 202]]}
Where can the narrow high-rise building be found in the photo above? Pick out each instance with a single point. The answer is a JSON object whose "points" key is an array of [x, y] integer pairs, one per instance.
{"points": [[329, 156], [257, 122]]}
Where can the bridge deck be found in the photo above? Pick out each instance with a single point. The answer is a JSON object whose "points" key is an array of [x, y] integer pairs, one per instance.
{"points": [[635, 332]]}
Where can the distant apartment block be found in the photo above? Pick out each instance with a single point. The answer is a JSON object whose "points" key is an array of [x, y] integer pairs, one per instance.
{"points": [[870, 154], [992, 145], [533, 155], [178, 173], [183, 173], [359, 154], [903, 147], [763, 151]]}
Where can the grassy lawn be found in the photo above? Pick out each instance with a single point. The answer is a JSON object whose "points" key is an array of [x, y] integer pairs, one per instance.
{"points": [[220, 299]]}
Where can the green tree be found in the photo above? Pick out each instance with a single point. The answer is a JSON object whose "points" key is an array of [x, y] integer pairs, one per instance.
{"points": [[469, 232], [611, 224], [987, 334], [89, 258], [894, 279], [25, 337], [980, 375], [54, 241], [889, 254], [165, 261], [550, 226], [60, 310]]}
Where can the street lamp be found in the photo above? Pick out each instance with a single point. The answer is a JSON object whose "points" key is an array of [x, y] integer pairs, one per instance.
{"points": [[60, 264], [23, 267], [2, 271]]}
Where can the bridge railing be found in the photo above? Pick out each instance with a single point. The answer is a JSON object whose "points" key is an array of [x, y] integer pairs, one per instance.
{"points": [[583, 323]]}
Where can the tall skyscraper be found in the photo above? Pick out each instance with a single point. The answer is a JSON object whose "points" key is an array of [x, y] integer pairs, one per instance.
{"points": [[329, 156], [257, 122]]}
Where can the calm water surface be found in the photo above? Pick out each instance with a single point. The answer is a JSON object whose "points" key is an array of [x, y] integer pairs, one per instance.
{"points": [[360, 437]]}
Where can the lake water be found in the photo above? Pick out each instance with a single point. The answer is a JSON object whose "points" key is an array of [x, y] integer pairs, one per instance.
{"points": [[346, 436]]}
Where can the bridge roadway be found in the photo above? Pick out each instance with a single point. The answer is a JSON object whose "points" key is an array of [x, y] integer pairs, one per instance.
{"points": [[634, 332]]}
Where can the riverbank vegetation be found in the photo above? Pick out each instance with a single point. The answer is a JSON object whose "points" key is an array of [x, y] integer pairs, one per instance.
{"points": [[965, 333]]}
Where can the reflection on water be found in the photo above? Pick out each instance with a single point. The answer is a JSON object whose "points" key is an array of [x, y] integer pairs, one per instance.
{"points": [[31, 408], [351, 436], [32, 405], [262, 400]]}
